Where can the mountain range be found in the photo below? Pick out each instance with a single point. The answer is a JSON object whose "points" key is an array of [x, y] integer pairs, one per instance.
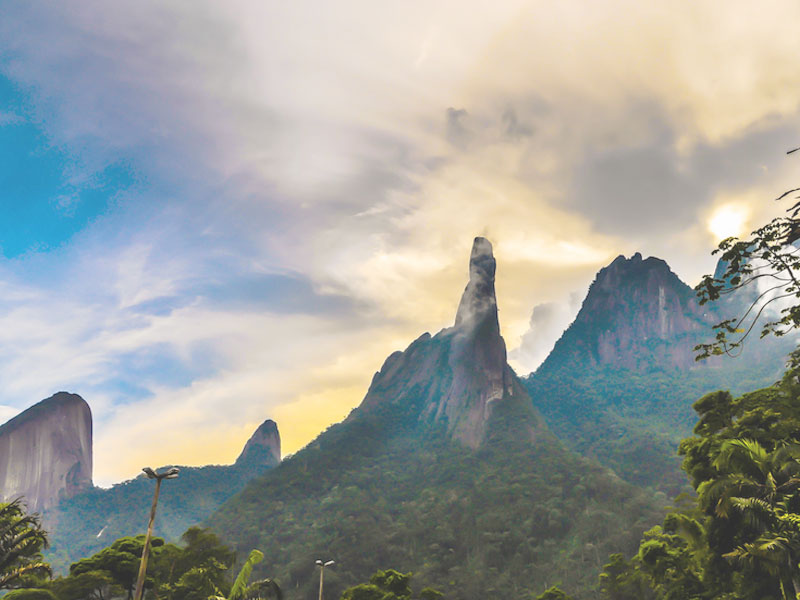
{"points": [[446, 469], [481, 482], [46, 458]]}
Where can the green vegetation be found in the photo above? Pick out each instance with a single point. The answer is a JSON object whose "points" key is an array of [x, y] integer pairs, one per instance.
{"points": [[554, 593], [739, 536], [242, 589], [22, 540], [632, 422], [85, 523], [389, 585], [200, 569], [507, 520], [767, 264]]}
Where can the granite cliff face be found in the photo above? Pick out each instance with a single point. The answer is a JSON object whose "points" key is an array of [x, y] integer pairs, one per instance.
{"points": [[263, 447], [637, 313], [460, 375], [46, 451]]}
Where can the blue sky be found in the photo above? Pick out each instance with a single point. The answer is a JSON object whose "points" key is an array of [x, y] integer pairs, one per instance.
{"points": [[45, 199], [215, 214]]}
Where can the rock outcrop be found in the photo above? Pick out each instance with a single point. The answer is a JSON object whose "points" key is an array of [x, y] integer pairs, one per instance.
{"points": [[637, 313], [46, 451], [459, 376], [263, 447]]}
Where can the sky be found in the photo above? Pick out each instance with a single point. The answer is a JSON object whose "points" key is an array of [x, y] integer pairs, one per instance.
{"points": [[218, 213]]}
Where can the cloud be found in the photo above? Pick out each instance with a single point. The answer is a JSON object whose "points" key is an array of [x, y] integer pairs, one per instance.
{"points": [[7, 413], [9, 118], [299, 206], [548, 322]]}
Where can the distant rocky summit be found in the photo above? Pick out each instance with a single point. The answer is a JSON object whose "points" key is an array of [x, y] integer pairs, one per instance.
{"points": [[46, 452], [619, 384], [263, 447], [88, 521], [637, 313]]}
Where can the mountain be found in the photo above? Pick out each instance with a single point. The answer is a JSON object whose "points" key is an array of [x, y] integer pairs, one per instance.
{"points": [[46, 452], [459, 376], [619, 384], [90, 520], [637, 314], [263, 447], [445, 469]]}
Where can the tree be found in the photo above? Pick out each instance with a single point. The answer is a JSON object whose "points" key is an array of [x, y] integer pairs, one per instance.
{"points": [[198, 570], [624, 580], [553, 593], [768, 262], [117, 565], [242, 589], [21, 542], [761, 486], [389, 585]]}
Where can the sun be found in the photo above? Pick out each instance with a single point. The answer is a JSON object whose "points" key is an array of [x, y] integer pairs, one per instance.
{"points": [[728, 220]]}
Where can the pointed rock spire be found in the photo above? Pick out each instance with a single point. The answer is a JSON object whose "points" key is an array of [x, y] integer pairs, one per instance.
{"points": [[478, 303], [263, 447], [459, 376]]}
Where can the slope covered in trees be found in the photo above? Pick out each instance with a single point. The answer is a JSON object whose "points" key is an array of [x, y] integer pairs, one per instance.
{"points": [[447, 470], [507, 520], [84, 523], [739, 535], [619, 384]]}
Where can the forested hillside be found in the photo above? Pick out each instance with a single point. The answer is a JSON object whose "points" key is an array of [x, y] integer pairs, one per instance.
{"points": [[507, 520], [620, 383]]}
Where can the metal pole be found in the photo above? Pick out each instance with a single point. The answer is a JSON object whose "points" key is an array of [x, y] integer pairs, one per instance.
{"points": [[146, 549], [321, 573]]}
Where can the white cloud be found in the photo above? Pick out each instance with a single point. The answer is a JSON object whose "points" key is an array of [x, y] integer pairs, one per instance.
{"points": [[312, 138], [7, 412], [548, 321]]}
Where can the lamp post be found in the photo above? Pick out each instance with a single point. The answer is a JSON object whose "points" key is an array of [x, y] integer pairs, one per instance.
{"points": [[322, 566], [169, 474]]}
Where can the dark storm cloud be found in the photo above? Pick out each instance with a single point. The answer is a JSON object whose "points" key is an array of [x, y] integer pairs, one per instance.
{"points": [[513, 128], [651, 187], [284, 293], [456, 130]]}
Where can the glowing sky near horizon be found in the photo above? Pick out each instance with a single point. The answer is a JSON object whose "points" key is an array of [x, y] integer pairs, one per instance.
{"points": [[217, 213]]}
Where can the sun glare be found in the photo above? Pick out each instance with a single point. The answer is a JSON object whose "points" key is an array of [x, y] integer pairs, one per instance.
{"points": [[728, 220]]}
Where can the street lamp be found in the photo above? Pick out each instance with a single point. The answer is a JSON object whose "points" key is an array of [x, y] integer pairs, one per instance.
{"points": [[169, 474], [322, 566]]}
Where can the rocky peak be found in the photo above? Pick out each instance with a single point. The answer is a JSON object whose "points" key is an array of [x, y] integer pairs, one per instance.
{"points": [[46, 451], [478, 302], [637, 313], [458, 377], [263, 447]]}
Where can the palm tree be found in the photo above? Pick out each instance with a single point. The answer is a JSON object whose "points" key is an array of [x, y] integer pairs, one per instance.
{"points": [[21, 541], [762, 487], [257, 590], [777, 549]]}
